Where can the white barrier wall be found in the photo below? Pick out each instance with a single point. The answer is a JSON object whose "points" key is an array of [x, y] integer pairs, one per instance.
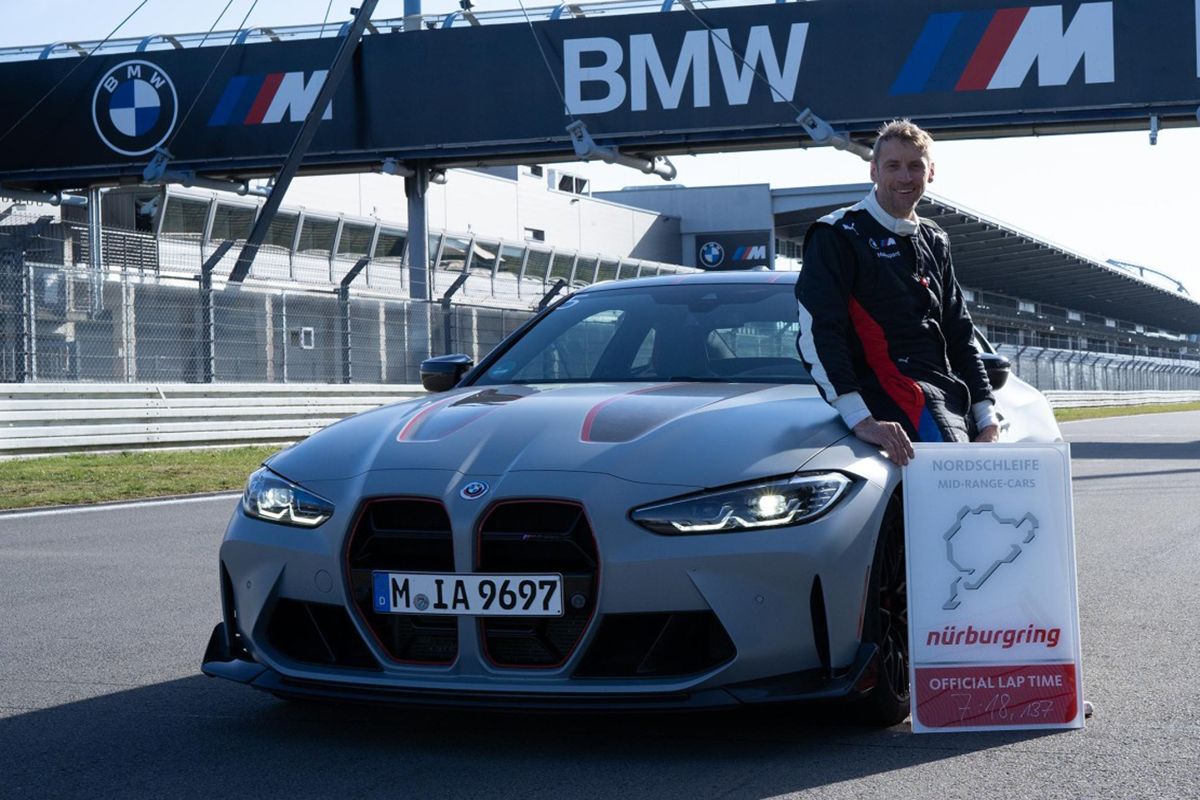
{"points": [[45, 418], [39, 419]]}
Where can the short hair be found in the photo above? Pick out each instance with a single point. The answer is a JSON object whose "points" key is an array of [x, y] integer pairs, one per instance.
{"points": [[904, 130]]}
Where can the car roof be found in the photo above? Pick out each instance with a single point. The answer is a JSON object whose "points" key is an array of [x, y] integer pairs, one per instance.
{"points": [[741, 276]]}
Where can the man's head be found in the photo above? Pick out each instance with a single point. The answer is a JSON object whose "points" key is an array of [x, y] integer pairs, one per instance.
{"points": [[901, 165]]}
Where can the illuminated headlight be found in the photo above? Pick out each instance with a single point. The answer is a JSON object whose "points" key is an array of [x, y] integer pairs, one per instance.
{"points": [[770, 504], [269, 496]]}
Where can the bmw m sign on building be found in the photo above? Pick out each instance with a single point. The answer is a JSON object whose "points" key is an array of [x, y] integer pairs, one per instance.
{"points": [[660, 82], [740, 250]]}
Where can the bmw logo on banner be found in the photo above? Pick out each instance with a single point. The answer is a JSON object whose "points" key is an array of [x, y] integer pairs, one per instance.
{"points": [[134, 108]]}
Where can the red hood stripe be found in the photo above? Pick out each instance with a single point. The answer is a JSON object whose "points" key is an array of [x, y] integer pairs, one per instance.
{"points": [[585, 434], [410, 427], [621, 418]]}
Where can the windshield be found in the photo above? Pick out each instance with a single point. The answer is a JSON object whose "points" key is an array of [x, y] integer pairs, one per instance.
{"points": [[698, 332]]}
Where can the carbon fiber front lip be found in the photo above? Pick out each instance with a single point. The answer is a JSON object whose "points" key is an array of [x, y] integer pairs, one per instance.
{"points": [[795, 687]]}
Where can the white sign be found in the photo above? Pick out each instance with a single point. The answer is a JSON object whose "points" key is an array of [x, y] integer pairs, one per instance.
{"points": [[993, 615], [738, 73]]}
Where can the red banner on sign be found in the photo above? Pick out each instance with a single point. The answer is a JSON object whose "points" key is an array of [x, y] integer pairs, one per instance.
{"points": [[1016, 696]]}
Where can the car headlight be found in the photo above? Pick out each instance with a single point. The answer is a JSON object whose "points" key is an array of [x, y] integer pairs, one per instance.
{"points": [[273, 498], [767, 504]]}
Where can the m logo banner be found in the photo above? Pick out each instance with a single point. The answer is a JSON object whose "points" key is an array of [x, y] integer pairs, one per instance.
{"points": [[134, 108], [977, 50], [267, 99], [993, 618]]}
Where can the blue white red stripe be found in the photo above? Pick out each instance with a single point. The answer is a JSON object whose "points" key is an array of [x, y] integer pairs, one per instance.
{"points": [[959, 51]]}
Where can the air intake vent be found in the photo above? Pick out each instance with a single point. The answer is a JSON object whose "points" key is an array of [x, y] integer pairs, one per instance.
{"points": [[317, 633], [532, 537], [403, 535], [656, 645]]}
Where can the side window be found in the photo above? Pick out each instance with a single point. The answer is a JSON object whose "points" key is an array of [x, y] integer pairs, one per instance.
{"points": [[574, 354]]}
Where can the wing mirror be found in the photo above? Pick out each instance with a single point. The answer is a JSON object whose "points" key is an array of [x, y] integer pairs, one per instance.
{"points": [[998, 369], [442, 373]]}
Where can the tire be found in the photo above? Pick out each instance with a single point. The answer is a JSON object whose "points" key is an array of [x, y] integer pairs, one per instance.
{"points": [[886, 624]]}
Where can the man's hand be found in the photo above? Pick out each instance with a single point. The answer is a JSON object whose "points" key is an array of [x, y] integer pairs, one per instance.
{"points": [[989, 434], [888, 435]]}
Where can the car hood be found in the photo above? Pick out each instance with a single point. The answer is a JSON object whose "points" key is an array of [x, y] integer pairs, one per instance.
{"points": [[691, 434]]}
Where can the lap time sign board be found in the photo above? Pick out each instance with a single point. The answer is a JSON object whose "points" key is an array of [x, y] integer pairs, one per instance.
{"points": [[993, 609]]}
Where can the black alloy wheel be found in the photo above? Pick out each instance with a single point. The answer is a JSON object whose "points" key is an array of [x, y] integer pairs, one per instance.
{"points": [[886, 623]]}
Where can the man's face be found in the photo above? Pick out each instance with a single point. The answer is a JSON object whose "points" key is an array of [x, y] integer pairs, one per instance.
{"points": [[900, 171]]}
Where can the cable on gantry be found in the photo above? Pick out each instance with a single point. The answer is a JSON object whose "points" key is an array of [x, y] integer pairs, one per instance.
{"points": [[215, 23], [585, 146], [71, 71], [818, 129]]}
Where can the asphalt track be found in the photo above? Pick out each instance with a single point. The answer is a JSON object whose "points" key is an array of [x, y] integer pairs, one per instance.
{"points": [[106, 611]]}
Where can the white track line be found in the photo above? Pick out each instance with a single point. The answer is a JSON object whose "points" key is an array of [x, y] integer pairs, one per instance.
{"points": [[50, 512]]}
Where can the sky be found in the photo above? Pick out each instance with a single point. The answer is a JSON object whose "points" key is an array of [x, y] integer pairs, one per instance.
{"points": [[1105, 195]]}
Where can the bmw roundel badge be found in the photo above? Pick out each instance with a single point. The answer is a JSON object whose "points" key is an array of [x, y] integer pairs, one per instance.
{"points": [[473, 490], [712, 254], [134, 107]]}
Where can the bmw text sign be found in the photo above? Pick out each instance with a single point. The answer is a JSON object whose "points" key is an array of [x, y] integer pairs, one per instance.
{"points": [[993, 613], [653, 82]]}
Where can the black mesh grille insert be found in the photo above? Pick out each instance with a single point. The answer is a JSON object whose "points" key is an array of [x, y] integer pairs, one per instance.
{"points": [[656, 645], [403, 534], [317, 633], [537, 537]]}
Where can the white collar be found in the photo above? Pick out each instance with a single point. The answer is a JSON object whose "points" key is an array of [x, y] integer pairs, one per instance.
{"points": [[900, 227]]}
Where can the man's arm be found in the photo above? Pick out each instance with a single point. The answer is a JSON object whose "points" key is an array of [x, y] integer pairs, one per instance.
{"points": [[823, 295]]}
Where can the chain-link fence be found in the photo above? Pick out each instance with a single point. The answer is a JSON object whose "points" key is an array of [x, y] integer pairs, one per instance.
{"points": [[59, 324], [331, 306], [1047, 368]]}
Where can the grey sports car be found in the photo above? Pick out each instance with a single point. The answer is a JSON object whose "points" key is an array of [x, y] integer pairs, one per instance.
{"points": [[637, 500]]}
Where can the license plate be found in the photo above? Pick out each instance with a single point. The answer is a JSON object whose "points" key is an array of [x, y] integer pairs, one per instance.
{"points": [[468, 595]]}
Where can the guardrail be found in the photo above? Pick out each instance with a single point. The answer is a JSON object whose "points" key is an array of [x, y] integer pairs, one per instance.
{"points": [[47, 418], [1068, 399], [39, 419]]}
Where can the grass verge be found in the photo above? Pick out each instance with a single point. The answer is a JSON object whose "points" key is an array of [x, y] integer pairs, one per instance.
{"points": [[1070, 414], [96, 478]]}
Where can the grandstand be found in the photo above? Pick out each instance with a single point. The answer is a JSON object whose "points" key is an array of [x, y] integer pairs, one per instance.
{"points": [[1022, 289]]}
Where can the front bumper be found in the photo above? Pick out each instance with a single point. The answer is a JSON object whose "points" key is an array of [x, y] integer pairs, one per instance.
{"points": [[760, 586]]}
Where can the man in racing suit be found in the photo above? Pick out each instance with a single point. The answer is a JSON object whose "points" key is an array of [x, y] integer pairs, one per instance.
{"points": [[883, 328]]}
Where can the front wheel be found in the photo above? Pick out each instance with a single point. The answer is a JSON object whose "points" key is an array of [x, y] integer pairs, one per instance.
{"points": [[886, 623]]}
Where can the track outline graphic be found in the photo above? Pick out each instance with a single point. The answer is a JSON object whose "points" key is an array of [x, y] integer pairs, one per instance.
{"points": [[953, 602]]}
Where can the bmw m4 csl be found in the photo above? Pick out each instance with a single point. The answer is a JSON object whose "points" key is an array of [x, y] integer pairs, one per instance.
{"points": [[638, 500]]}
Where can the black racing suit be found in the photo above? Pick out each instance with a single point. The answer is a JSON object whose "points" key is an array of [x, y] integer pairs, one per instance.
{"points": [[882, 318]]}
